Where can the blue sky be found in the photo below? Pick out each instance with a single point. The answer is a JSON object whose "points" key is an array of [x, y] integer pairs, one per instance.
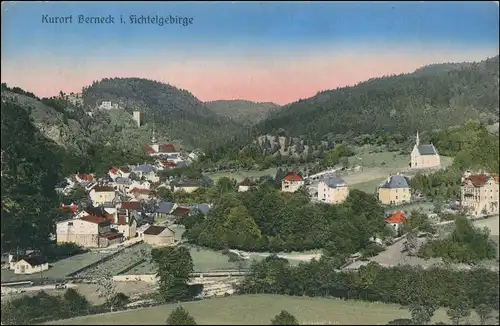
{"points": [[252, 24], [314, 37]]}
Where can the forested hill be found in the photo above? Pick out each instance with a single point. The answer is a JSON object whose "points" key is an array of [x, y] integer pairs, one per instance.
{"points": [[242, 111], [177, 114], [434, 97], [57, 122]]}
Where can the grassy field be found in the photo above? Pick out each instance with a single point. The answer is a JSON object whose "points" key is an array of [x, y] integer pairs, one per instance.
{"points": [[368, 186], [204, 260], [259, 310], [60, 268]]}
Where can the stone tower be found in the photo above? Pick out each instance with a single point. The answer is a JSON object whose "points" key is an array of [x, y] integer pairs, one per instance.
{"points": [[137, 118]]}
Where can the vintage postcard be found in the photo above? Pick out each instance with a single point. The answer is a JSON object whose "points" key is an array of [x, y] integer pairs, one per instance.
{"points": [[237, 163]]}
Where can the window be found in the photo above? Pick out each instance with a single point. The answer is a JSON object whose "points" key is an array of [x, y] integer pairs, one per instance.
{"points": [[396, 197], [70, 223]]}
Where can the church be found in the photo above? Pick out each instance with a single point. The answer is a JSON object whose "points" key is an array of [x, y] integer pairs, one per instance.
{"points": [[424, 156]]}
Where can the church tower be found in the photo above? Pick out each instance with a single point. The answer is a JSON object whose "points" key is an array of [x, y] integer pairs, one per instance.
{"points": [[154, 141], [417, 142]]}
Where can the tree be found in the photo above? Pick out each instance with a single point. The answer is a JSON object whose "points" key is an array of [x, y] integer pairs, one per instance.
{"points": [[459, 310], [483, 311], [173, 267], [75, 302], [164, 194], [284, 318], [421, 313], [179, 316]]}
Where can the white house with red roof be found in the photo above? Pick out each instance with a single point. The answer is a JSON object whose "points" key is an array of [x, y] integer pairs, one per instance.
{"points": [[479, 193], [291, 182], [165, 150], [88, 231], [84, 178], [396, 220]]}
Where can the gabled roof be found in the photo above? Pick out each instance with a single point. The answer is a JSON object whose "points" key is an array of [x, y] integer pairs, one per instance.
{"points": [[144, 168], [35, 261], [132, 205], [155, 230], [124, 181], [167, 163], [68, 208], [86, 177], [479, 180], [165, 207], [427, 149], [166, 148], [247, 182], [292, 176], [181, 212], [94, 219], [113, 170], [149, 150], [204, 208], [396, 218], [395, 182], [334, 182], [111, 235], [95, 211], [103, 189]]}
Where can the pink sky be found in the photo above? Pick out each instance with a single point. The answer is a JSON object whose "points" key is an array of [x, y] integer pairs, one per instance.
{"points": [[277, 78]]}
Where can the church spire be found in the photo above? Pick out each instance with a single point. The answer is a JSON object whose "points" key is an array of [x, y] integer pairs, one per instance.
{"points": [[153, 138], [417, 142]]}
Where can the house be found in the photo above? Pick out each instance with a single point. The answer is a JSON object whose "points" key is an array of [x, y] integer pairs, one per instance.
{"points": [[70, 209], [180, 212], [394, 191], [105, 105], [424, 156], [203, 208], [332, 191], [245, 185], [187, 186], [28, 265], [479, 193], [122, 184], [102, 194], [164, 209], [396, 220], [193, 156], [142, 194], [88, 231], [291, 182], [132, 205], [84, 178], [147, 172], [162, 165], [124, 222], [158, 236]]}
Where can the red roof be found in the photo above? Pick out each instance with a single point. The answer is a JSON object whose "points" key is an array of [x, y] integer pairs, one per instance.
{"points": [[397, 218], [166, 148], [478, 180], [149, 150], [168, 164], [94, 219], [113, 170], [247, 182], [87, 177], [68, 208], [292, 176], [133, 205]]}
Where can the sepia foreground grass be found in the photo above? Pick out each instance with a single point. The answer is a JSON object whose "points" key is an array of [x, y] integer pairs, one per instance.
{"points": [[259, 309]]}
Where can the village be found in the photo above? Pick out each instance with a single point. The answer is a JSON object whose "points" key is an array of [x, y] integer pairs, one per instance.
{"points": [[125, 219]]}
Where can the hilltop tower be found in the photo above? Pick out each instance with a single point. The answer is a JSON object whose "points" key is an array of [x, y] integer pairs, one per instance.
{"points": [[137, 117]]}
